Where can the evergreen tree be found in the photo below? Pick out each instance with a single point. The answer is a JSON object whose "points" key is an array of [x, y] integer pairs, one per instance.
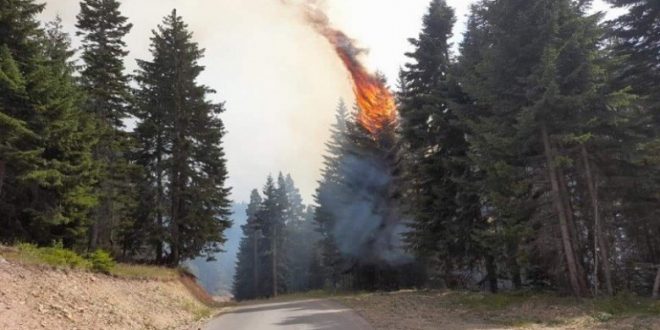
{"points": [[533, 70], [433, 150], [301, 238], [45, 146], [248, 276], [637, 37], [181, 147], [103, 28], [325, 198], [636, 44], [272, 219]]}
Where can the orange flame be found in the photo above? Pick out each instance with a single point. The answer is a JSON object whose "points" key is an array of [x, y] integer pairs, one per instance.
{"points": [[376, 105]]}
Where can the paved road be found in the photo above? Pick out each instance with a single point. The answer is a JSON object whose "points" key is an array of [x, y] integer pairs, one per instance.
{"points": [[298, 315]]}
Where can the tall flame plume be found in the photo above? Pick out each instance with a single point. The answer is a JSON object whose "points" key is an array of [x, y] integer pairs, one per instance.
{"points": [[376, 104]]}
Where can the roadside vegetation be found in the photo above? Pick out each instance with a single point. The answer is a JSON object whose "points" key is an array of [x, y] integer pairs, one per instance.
{"points": [[469, 310], [99, 262]]}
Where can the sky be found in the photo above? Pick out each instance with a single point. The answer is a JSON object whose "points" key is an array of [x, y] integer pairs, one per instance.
{"points": [[280, 81]]}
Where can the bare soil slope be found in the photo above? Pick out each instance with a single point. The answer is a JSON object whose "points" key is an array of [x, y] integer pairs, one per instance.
{"points": [[41, 297]]}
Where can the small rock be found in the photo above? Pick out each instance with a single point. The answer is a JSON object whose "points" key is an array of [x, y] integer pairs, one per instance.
{"points": [[3, 261]]}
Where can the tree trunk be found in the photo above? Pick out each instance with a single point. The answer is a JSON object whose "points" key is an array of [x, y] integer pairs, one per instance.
{"points": [[572, 228], [491, 273], [567, 243], [516, 277], [159, 204], [255, 284], [599, 238], [2, 174], [274, 260], [656, 285]]}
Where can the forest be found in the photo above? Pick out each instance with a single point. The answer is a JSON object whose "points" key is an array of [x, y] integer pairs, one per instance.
{"points": [[524, 161]]}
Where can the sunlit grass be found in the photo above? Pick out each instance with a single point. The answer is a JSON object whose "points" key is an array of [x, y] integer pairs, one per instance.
{"points": [[58, 257], [144, 272]]}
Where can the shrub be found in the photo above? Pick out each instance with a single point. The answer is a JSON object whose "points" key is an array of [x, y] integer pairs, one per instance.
{"points": [[101, 262], [54, 256]]}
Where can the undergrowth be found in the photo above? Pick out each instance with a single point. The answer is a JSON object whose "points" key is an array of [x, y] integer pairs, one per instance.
{"points": [[99, 261]]}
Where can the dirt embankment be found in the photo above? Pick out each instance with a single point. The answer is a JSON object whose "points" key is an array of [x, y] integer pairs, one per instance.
{"points": [[40, 297]]}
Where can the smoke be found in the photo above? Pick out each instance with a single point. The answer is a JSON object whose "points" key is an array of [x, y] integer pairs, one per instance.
{"points": [[377, 108], [314, 12], [367, 227]]}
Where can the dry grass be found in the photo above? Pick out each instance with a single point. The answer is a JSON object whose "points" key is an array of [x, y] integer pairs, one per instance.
{"points": [[27, 254], [462, 310], [143, 272]]}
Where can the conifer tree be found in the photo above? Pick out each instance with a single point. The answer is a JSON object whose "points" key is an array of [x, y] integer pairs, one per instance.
{"points": [[301, 238], [103, 28], [272, 219], [533, 74], [181, 147], [248, 275], [45, 146], [325, 198], [433, 149]]}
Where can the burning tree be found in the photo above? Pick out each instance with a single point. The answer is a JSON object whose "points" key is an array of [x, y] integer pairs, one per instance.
{"points": [[363, 228]]}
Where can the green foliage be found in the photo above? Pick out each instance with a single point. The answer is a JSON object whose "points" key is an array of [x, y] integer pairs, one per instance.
{"points": [[102, 28], [56, 255], [434, 172], [179, 136], [45, 155], [101, 262]]}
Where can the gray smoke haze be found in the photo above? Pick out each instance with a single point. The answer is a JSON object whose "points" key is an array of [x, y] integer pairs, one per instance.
{"points": [[367, 227]]}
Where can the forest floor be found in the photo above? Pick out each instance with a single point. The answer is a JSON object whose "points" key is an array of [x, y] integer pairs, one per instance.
{"points": [[41, 296], [408, 310]]}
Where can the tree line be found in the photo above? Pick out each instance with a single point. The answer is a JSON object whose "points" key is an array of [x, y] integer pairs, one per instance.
{"points": [[276, 254], [526, 161], [70, 170]]}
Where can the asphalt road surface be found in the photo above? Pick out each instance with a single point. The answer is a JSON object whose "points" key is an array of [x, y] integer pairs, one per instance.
{"points": [[298, 315]]}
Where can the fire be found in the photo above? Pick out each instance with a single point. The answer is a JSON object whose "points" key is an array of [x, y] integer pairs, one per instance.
{"points": [[376, 105]]}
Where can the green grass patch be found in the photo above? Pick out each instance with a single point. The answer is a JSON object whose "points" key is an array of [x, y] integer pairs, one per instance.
{"points": [[199, 312], [624, 304], [144, 272], [486, 301], [99, 261], [55, 256]]}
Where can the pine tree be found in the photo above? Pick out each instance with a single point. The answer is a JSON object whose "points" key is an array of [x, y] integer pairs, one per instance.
{"points": [[433, 150], [301, 237], [325, 198], [636, 43], [540, 113], [103, 28], [637, 37], [272, 219], [248, 277], [181, 147], [45, 160]]}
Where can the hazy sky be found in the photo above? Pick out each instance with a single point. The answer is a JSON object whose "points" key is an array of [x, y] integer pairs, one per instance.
{"points": [[281, 81]]}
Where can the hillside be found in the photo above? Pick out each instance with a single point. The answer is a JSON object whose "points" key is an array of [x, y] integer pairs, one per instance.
{"points": [[43, 297]]}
